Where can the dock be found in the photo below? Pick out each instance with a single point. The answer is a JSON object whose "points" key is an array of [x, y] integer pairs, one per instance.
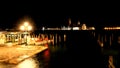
{"points": [[18, 53]]}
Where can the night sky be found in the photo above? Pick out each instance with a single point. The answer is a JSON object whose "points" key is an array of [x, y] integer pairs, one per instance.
{"points": [[55, 16]]}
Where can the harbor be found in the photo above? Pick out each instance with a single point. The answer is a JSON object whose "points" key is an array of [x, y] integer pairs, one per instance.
{"points": [[16, 47], [59, 47]]}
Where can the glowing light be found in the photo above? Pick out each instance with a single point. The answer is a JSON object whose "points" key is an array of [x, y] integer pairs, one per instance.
{"points": [[26, 27], [111, 65], [111, 28], [93, 28], [75, 28], [43, 28], [29, 27], [28, 63], [22, 28], [84, 27], [26, 24], [117, 27]]}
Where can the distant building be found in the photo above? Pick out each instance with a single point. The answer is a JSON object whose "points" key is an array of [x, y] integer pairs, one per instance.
{"points": [[69, 22], [78, 23], [66, 28], [84, 27]]}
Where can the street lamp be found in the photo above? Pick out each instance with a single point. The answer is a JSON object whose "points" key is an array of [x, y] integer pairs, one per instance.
{"points": [[26, 27]]}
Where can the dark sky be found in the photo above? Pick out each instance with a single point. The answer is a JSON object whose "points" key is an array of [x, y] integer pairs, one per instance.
{"points": [[53, 15]]}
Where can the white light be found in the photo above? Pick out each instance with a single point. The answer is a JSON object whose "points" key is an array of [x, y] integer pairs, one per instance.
{"points": [[26, 24], [22, 27], [69, 28], [43, 28], [75, 28], [28, 63], [29, 28], [92, 28]]}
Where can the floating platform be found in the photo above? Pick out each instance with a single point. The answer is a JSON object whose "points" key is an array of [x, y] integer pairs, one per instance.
{"points": [[18, 53]]}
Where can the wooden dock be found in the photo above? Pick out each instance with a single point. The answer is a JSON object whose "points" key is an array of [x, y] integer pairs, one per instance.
{"points": [[18, 53]]}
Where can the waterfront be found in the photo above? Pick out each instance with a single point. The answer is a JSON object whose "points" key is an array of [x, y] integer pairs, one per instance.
{"points": [[80, 50]]}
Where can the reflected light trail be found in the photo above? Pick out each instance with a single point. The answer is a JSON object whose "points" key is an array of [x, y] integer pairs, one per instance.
{"points": [[47, 54], [111, 28], [28, 63], [111, 65]]}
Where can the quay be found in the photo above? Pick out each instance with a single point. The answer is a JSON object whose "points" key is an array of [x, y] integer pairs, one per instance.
{"points": [[18, 53]]}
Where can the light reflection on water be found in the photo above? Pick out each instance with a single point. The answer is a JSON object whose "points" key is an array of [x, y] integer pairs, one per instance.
{"points": [[110, 61], [110, 48], [28, 63], [32, 62]]}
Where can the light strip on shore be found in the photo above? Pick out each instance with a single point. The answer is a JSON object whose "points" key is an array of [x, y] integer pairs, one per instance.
{"points": [[111, 28]]}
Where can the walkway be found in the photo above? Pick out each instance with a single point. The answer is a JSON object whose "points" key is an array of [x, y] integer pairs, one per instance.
{"points": [[15, 54]]}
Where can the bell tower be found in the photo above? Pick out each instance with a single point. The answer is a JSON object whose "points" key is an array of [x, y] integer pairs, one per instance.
{"points": [[69, 22]]}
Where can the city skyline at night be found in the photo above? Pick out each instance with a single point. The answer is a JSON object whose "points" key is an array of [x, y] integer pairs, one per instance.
{"points": [[58, 21]]}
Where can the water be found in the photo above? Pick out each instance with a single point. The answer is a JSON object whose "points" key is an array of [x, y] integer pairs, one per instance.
{"points": [[81, 50], [28, 63]]}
